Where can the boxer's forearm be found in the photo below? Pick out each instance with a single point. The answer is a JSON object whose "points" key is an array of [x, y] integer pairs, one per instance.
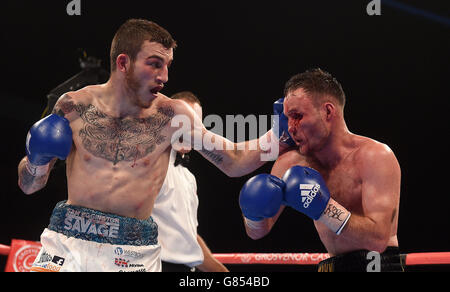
{"points": [[257, 229], [363, 231], [257, 152], [366, 233], [30, 180], [245, 160], [238, 159]]}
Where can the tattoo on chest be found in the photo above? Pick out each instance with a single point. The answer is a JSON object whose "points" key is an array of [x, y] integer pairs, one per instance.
{"points": [[119, 139]]}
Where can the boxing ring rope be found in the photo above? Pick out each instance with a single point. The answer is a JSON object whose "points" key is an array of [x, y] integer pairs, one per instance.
{"points": [[412, 259], [4, 250]]}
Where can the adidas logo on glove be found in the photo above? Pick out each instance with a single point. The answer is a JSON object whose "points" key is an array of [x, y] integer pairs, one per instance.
{"points": [[308, 193]]}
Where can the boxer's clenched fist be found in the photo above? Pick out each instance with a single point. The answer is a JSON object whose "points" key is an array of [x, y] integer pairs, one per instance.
{"points": [[49, 138]]}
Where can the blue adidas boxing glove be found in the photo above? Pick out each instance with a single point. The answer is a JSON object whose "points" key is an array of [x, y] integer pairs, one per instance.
{"points": [[49, 138], [280, 124], [306, 191], [261, 197]]}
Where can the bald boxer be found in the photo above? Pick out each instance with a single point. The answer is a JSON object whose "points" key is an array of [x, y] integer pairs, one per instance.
{"points": [[116, 139], [175, 212], [348, 184]]}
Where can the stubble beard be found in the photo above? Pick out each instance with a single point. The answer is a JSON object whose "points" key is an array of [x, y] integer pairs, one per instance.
{"points": [[133, 88]]}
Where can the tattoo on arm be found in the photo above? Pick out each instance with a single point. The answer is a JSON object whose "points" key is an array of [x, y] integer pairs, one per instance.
{"points": [[215, 158], [30, 181], [26, 178], [334, 213]]}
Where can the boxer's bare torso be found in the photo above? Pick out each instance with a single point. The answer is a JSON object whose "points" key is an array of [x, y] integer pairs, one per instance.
{"points": [[117, 164], [346, 182]]}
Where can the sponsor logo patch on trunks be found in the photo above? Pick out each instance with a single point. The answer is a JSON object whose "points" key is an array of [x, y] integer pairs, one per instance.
{"points": [[48, 263]]}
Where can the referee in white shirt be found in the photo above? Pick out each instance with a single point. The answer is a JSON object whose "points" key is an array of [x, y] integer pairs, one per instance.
{"points": [[175, 212]]}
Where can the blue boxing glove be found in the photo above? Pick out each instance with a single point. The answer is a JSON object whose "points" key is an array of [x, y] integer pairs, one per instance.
{"points": [[49, 138], [280, 124], [306, 191], [261, 197]]}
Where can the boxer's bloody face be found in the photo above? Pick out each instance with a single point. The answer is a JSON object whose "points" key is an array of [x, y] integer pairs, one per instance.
{"points": [[306, 122]]}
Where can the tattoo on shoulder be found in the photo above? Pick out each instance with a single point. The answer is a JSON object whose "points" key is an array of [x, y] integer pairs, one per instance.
{"points": [[65, 105], [122, 139]]}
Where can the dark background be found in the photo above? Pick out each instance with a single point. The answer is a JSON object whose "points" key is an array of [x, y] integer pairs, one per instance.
{"points": [[237, 56]]}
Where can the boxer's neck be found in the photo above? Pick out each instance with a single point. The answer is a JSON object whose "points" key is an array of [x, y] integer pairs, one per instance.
{"points": [[336, 148], [117, 99]]}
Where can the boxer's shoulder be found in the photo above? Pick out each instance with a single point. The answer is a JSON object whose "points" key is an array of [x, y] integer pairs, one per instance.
{"points": [[367, 148], [179, 107], [370, 153], [68, 101], [87, 94]]}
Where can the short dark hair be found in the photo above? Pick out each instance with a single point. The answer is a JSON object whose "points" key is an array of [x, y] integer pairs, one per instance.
{"points": [[317, 83], [187, 96], [131, 35]]}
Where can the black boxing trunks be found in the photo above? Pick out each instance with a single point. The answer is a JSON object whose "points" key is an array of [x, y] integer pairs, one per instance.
{"points": [[364, 261]]}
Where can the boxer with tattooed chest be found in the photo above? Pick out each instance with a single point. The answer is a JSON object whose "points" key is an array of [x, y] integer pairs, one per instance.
{"points": [[116, 140], [115, 161]]}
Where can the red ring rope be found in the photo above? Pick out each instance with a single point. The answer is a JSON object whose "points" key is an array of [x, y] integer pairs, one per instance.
{"points": [[412, 259], [431, 258], [272, 258], [4, 250]]}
